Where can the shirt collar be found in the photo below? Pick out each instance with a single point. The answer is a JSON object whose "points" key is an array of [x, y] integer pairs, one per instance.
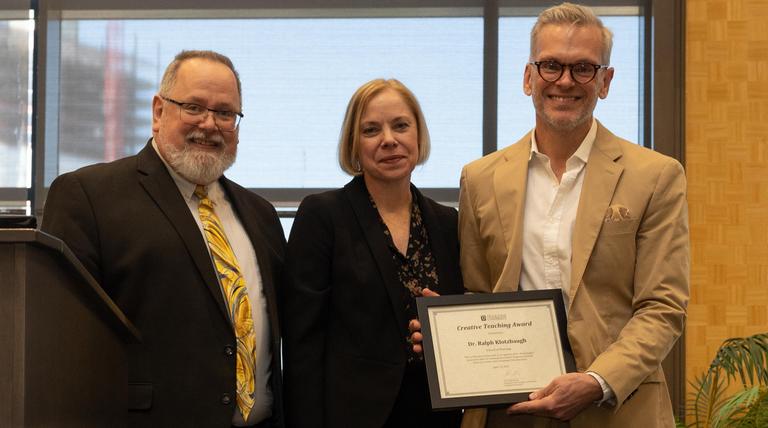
{"points": [[186, 187], [581, 153]]}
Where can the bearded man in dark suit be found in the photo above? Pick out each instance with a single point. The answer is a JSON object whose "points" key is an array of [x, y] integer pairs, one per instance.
{"points": [[138, 225]]}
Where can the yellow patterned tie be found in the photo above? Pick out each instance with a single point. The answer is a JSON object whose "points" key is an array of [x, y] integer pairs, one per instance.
{"points": [[233, 286]]}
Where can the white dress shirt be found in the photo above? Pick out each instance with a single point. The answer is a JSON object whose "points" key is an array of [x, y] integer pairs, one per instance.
{"points": [[549, 217], [249, 267], [550, 213]]}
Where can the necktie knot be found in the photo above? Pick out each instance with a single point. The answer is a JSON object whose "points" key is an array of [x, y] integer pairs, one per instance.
{"points": [[201, 192]]}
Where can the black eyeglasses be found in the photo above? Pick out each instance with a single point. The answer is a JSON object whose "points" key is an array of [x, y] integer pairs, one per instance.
{"points": [[194, 114], [581, 72]]}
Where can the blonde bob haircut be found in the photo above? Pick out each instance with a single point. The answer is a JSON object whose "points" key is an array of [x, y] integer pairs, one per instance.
{"points": [[572, 14], [349, 140]]}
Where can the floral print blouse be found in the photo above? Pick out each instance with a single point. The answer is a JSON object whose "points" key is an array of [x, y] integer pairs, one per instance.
{"points": [[415, 270]]}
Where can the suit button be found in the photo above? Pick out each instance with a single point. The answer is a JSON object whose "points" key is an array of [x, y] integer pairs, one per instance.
{"points": [[225, 399], [229, 351]]}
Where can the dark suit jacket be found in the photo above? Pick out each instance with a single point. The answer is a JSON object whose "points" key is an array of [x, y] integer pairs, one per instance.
{"points": [[129, 225], [344, 342]]}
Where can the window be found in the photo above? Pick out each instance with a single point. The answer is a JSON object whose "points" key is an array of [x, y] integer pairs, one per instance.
{"points": [[297, 74], [16, 36], [299, 65]]}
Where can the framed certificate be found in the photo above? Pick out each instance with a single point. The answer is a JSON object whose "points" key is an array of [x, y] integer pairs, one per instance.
{"points": [[486, 350]]}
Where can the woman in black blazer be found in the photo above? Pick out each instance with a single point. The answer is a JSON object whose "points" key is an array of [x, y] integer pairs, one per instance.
{"points": [[357, 258]]}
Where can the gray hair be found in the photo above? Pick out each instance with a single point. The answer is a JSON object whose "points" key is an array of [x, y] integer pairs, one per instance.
{"points": [[169, 77], [573, 14]]}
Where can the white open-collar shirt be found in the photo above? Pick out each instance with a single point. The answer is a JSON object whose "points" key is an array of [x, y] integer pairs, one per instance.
{"points": [[549, 217]]}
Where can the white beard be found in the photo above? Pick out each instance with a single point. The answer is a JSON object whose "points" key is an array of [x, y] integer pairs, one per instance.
{"points": [[199, 166]]}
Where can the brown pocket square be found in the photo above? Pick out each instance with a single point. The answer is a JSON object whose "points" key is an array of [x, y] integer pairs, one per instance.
{"points": [[617, 213]]}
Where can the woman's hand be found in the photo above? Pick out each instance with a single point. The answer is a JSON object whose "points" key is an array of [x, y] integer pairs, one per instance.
{"points": [[414, 326]]}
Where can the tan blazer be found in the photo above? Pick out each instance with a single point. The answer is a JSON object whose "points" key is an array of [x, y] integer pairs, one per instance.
{"points": [[630, 269]]}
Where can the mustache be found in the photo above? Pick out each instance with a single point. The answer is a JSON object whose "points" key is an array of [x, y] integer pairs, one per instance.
{"points": [[197, 134]]}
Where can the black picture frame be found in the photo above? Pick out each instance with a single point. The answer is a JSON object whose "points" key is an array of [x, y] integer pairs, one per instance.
{"points": [[426, 305]]}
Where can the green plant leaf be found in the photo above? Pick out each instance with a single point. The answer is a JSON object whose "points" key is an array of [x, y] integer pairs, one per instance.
{"points": [[742, 360], [757, 416], [736, 407]]}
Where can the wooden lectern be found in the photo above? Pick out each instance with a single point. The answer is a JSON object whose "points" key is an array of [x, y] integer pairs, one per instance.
{"points": [[62, 362]]}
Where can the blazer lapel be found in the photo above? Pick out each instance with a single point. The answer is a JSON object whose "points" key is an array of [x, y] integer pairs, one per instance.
{"points": [[509, 181], [374, 236], [601, 177], [261, 248], [442, 252], [156, 180]]}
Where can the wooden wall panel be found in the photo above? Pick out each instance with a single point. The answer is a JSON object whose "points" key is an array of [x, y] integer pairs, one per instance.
{"points": [[726, 125]]}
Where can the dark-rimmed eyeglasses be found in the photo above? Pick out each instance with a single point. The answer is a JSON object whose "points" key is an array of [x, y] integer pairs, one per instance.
{"points": [[581, 72], [194, 114]]}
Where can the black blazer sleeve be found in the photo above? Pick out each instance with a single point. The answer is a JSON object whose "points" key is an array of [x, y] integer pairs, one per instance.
{"points": [[309, 259], [69, 216]]}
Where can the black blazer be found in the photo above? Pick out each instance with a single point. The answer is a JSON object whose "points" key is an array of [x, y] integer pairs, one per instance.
{"points": [[129, 225], [343, 333]]}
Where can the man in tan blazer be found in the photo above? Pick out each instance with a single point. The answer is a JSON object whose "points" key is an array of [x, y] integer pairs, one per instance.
{"points": [[574, 207]]}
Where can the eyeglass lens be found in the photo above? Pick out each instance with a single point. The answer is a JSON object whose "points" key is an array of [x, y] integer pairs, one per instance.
{"points": [[197, 114], [551, 71]]}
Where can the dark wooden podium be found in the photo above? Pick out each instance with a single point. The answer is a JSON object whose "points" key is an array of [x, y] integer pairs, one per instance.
{"points": [[62, 362]]}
